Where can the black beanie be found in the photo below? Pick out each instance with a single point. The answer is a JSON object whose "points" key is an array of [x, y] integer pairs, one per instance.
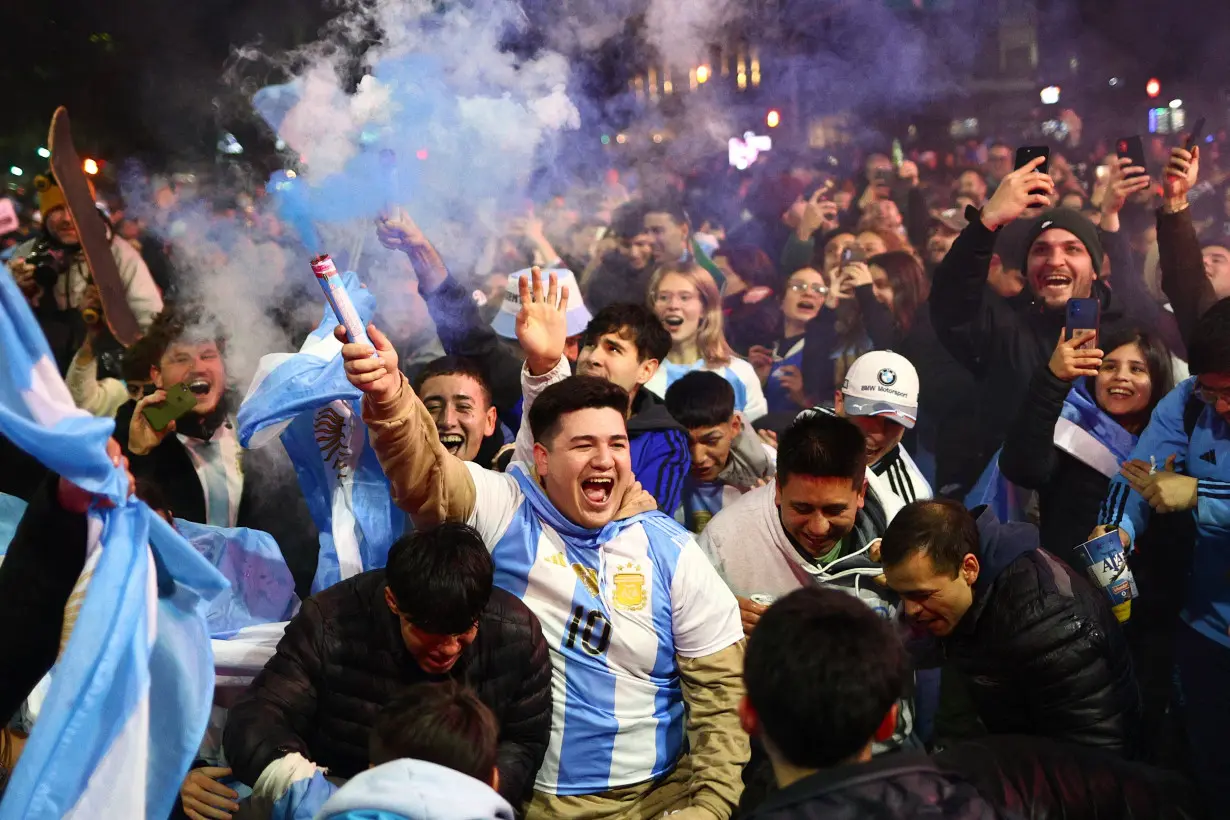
{"points": [[1068, 220]]}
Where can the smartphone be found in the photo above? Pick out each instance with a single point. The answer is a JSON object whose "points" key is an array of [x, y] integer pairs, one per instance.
{"points": [[179, 403], [1083, 314], [1197, 134], [1132, 148], [1028, 153], [853, 253]]}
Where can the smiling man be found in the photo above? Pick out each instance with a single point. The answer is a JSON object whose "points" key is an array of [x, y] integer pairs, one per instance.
{"points": [[1037, 647], [430, 615], [1004, 341], [644, 638], [455, 394], [196, 460], [880, 396]]}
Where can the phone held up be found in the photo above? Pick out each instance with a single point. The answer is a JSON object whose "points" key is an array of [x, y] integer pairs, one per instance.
{"points": [[1082, 315], [1027, 154], [1133, 149], [179, 403]]}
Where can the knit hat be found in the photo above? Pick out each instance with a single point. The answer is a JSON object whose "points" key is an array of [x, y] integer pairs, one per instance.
{"points": [[49, 195], [1068, 220]]}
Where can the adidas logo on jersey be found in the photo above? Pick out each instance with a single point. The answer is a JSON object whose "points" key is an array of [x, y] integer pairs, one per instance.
{"points": [[558, 560], [1210, 457]]}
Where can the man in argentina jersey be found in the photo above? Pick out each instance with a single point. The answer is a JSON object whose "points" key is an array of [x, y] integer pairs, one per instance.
{"points": [[1181, 464], [643, 632], [880, 396]]}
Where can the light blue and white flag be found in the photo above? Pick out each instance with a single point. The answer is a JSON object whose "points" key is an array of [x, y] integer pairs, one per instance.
{"points": [[262, 588], [130, 694], [305, 399]]}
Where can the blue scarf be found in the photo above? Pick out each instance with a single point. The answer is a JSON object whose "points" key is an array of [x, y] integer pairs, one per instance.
{"points": [[1080, 409], [574, 536]]}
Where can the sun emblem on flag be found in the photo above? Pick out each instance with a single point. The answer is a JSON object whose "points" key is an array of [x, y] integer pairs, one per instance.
{"points": [[329, 427], [629, 587]]}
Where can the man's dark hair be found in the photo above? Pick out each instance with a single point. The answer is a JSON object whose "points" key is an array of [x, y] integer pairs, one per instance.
{"points": [[572, 394], [701, 399], [441, 577], [633, 322], [628, 220], [941, 528], [452, 366], [1209, 348], [822, 671], [442, 723], [669, 205], [177, 322], [822, 445]]}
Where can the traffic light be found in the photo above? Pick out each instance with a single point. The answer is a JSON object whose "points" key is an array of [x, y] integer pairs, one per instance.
{"points": [[773, 118], [1153, 87]]}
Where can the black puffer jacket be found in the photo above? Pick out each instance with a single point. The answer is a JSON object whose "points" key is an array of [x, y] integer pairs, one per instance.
{"points": [[1042, 779], [1040, 650], [342, 658], [902, 786]]}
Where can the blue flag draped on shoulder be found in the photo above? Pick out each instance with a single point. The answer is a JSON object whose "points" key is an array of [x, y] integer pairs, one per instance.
{"points": [[305, 399], [131, 692]]}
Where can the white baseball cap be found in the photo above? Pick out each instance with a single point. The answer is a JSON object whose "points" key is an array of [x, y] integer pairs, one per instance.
{"points": [[882, 383], [505, 321]]}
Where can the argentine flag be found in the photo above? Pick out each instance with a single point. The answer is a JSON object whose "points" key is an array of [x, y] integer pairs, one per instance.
{"points": [[305, 399], [130, 695]]}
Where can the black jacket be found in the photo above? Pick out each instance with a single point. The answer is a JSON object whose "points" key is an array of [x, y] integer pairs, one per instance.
{"points": [[271, 501], [1003, 342], [1045, 780], [343, 658], [901, 786], [37, 575], [1070, 492], [1039, 649]]}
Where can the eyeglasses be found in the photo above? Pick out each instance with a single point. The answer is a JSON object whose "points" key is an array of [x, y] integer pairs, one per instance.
{"points": [[685, 298], [803, 287], [1210, 395]]}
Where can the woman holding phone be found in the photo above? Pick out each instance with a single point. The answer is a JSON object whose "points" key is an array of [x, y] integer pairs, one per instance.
{"points": [[1079, 423]]}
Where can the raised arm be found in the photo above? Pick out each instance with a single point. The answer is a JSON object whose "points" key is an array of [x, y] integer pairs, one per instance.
{"points": [[427, 480], [967, 319], [1126, 180], [542, 331], [1183, 278], [1029, 457]]}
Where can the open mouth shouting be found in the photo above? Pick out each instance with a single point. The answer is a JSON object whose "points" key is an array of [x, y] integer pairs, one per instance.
{"points": [[1055, 282], [200, 386], [808, 306], [453, 442], [673, 322], [597, 490]]}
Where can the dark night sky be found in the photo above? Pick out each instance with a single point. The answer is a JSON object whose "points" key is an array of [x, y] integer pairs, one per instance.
{"points": [[143, 77]]}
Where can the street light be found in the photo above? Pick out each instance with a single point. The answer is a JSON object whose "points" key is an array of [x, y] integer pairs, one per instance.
{"points": [[1176, 103], [15, 171], [44, 153], [90, 166], [773, 118], [1050, 95], [1153, 87], [702, 74]]}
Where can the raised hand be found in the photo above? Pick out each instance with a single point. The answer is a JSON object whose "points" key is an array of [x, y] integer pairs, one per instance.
{"points": [[542, 324], [1180, 176], [371, 369], [1069, 362], [398, 232], [818, 214], [1021, 190], [1123, 180]]}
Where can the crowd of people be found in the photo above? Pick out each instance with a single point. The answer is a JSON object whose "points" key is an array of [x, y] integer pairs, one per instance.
{"points": [[766, 498]]}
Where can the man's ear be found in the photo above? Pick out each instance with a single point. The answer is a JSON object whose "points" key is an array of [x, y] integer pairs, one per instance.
{"points": [[862, 493], [970, 569], [391, 601], [736, 425], [645, 371], [888, 726], [839, 402], [540, 459], [492, 419], [495, 778], [155, 375], [748, 719]]}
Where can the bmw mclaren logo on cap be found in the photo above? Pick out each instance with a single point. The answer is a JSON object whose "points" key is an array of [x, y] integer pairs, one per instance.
{"points": [[887, 377]]}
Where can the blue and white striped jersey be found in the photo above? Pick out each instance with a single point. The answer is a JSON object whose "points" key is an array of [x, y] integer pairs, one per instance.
{"points": [[616, 606]]}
